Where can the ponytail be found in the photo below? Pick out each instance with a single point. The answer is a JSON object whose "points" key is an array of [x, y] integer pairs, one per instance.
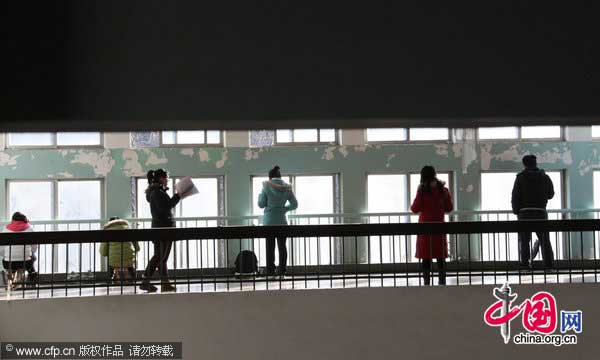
{"points": [[150, 177]]}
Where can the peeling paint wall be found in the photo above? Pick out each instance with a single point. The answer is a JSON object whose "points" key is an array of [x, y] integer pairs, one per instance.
{"points": [[465, 158]]}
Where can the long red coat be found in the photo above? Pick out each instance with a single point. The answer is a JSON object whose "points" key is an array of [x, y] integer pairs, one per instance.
{"points": [[431, 207]]}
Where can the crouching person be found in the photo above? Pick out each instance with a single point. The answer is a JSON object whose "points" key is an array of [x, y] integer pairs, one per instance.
{"points": [[121, 255]]}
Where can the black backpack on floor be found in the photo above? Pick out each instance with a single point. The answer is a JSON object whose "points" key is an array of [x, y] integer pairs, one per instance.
{"points": [[246, 263]]}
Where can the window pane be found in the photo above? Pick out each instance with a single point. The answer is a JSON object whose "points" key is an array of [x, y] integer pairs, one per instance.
{"points": [[596, 189], [78, 138], [421, 134], [32, 198], [540, 132], [305, 135], [190, 137], [392, 134], [498, 133], [596, 131], [496, 190], [213, 137], [30, 139], [284, 136], [205, 203], [142, 206], [168, 137], [79, 200], [314, 194], [386, 193], [556, 201], [327, 135]]}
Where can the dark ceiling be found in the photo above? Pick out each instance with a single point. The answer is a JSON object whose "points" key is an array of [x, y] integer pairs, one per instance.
{"points": [[125, 65]]}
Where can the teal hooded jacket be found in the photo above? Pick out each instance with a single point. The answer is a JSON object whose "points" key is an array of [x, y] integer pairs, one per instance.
{"points": [[273, 198]]}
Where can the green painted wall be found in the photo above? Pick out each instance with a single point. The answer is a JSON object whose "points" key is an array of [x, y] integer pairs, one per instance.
{"points": [[466, 160]]}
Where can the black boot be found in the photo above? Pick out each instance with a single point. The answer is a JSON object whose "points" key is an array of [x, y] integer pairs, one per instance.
{"points": [[146, 286]]}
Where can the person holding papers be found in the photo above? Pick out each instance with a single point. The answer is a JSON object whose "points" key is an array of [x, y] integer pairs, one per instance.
{"points": [[161, 207], [273, 198]]}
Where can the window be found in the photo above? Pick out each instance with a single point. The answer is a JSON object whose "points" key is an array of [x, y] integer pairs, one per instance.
{"points": [[523, 132], [383, 135], [496, 193], [411, 134], [596, 206], [208, 203], [493, 133], [198, 137], [316, 194], [290, 136], [394, 194], [540, 132], [60, 139], [596, 131], [61, 200], [387, 193], [428, 134]]}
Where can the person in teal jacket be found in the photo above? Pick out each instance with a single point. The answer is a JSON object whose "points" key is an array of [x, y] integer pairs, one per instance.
{"points": [[273, 198]]}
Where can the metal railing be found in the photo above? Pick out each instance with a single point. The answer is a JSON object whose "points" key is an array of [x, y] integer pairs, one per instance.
{"points": [[347, 255], [315, 249]]}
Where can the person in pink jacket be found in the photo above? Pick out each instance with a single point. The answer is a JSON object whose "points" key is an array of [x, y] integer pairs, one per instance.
{"points": [[17, 257]]}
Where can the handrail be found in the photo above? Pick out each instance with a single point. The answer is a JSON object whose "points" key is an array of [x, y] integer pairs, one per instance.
{"points": [[303, 216], [335, 230]]}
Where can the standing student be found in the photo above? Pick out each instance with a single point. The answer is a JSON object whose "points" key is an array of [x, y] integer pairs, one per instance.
{"points": [[531, 192], [273, 198], [161, 207], [433, 200]]}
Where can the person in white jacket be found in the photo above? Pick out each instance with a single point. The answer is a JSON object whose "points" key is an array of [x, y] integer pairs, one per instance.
{"points": [[17, 257]]}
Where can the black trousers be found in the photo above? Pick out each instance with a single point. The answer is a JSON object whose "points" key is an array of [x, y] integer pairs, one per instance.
{"points": [[426, 268], [543, 237], [271, 254], [162, 250]]}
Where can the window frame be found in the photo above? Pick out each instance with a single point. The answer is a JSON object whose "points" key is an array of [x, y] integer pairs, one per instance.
{"points": [[54, 145], [55, 198], [318, 142], [408, 140], [521, 138], [205, 144]]}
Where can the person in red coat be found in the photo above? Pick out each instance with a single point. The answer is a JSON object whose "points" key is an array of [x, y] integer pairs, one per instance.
{"points": [[433, 200]]}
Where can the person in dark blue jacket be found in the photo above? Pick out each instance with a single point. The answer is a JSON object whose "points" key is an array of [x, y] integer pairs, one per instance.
{"points": [[161, 207], [531, 192]]}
